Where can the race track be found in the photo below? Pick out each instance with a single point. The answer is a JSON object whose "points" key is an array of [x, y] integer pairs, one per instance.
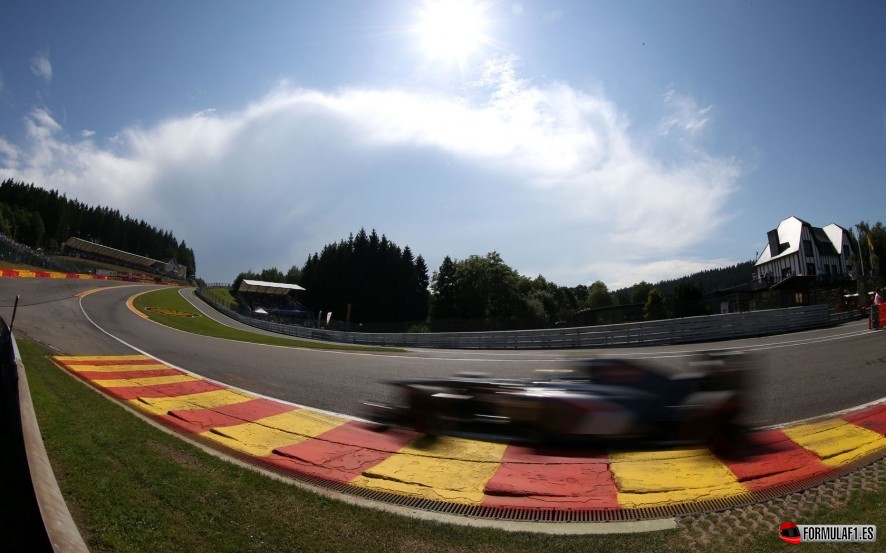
{"points": [[800, 375], [290, 410]]}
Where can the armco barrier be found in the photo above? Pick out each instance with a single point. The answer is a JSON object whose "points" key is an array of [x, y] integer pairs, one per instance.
{"points": [[650, 333], [34, 514]]}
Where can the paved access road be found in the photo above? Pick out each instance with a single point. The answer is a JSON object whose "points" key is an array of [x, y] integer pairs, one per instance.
{"points": [[800, 375]]}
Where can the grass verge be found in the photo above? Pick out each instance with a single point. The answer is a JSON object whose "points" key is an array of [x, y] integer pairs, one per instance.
{"points": [[132, 487], [222, 296], [177, 312]]}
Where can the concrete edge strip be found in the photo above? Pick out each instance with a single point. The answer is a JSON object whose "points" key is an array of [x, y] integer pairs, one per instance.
{"points": [[60, 526]]}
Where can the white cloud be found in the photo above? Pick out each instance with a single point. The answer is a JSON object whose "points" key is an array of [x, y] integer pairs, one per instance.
{"points": [[40, 124], [41, 66], [9, 152], [549, 175], [653, 271], [685, 115], [87, 133]]}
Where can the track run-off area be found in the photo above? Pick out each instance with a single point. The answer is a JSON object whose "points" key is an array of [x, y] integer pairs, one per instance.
{"points": [[817, 400]]}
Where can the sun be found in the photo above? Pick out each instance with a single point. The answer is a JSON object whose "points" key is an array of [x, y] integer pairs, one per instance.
{"points": [[451, 30]]}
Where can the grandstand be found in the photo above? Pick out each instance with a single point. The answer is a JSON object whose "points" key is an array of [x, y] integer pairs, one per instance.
{"points": [[272, 299], [92, 250]]}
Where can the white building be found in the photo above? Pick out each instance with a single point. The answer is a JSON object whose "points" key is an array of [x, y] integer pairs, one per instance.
{"points": [[796, 248]]}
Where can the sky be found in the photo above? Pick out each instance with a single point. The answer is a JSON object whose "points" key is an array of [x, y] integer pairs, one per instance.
{"points": [[583, 141]]}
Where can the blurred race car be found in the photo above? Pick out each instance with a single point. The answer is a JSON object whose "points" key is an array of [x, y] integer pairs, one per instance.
{"points": [[602, 399]]}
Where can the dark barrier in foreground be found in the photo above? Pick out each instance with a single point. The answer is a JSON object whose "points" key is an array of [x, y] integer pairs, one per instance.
{"points": [[33, 515]]}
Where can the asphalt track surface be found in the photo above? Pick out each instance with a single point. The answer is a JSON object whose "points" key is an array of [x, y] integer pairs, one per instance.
{"points": [[800, 375]]}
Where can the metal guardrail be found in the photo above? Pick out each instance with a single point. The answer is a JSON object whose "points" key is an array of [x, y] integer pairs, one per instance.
{"points": [[35, 516], [650, 333]]}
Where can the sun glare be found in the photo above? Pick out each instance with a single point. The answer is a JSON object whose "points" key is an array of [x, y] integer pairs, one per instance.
{"points": [[451, 30]]}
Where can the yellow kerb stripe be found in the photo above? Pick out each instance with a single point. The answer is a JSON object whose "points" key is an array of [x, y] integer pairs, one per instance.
{"points": [[653, 478], [127, 382], [836, 441], [261, 437], [68, 358], [203, 400], [116, 368], [443, 469]]}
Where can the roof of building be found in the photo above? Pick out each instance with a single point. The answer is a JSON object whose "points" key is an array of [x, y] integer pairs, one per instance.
{"points": [[262, 287], [790, 231], [836, 233]]}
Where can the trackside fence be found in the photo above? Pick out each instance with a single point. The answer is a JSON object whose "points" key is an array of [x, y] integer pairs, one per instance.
{"points": [[650, 333]]}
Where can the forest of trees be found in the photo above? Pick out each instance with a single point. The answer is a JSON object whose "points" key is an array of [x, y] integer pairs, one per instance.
{"points": [[44, 219], [492, 295], [484, 293], [366, 276], [869, 251], [383, 283]]}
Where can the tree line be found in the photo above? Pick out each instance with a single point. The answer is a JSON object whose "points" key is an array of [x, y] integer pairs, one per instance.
{"points": [[45, 219], [869, 251], [484, 293], [370, 281], [378, 282]]}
